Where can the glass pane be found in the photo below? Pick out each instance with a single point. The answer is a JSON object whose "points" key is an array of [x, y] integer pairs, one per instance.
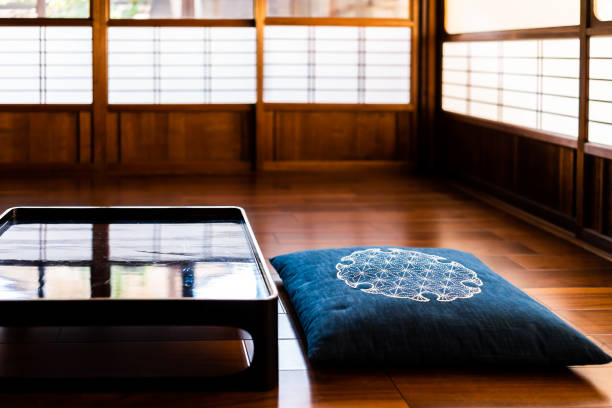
{"points": [[600, 91], [148, 260], [339, 8], [331, 64], [45, 65], [46, 8], [200, 9], [66, 282], [46, 242], [182, 65], [603, 10], [466, 16], [600, 133], [526, 83]]}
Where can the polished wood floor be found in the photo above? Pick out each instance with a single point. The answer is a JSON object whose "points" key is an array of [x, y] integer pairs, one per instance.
{"points": [[295, 212]]}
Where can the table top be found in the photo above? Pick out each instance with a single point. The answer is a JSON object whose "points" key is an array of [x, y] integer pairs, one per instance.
{"points": [[129, 257]]}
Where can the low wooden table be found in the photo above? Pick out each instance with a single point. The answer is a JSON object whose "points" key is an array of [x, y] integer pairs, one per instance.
{"points": [[141, 266]]}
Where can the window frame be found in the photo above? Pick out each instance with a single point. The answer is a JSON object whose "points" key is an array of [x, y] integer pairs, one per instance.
{"points": [[99, 19], [589, 26], [51, 22], [410, 22]]}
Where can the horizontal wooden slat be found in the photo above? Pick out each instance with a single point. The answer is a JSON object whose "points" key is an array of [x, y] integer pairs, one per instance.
{"points": [[197, 168], [180, 22], [44, 108], [600, 28], [531, 33], [182, 108], [36, 169], [353, 165], [598, 150], [339, 21], [517, 130], [330, 107], [45, 22]]}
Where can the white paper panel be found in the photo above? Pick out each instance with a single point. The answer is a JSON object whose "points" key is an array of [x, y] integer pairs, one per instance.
{"points": [[176, 65], [600, 91], [531, 83], [45, 65], [330, 64]]}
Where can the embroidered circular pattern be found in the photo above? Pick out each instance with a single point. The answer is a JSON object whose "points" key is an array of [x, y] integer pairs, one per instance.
{"points": [[400, 273]]}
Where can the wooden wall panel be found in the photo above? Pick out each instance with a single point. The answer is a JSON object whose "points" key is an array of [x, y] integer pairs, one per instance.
{"points": [[545, 174], [112, 138], [530, 171], [341, 136], [85, 138], [596, 194], [184, 137], [407, 141], [40, 137], [470, 151]]}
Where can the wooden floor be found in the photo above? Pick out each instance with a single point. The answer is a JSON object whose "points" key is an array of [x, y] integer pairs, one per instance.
{"points": [[295, 212]]}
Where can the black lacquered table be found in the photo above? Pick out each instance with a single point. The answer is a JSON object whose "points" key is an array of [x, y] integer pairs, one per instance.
{"points": [[141, 266]]}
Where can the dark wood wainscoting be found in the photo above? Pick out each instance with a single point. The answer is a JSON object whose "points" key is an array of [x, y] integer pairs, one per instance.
{"points": [[202, 140], [535, 175], [303, 139], [45, 138], [180, 141], [597, 203]]}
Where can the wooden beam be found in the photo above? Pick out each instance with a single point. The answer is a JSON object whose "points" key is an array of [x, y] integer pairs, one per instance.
{"points": [[238, 107], [44, 108], [339, 21], [516, 130], [598, 150], [531, 33], [331, 107], [427, 61], [260, 144], [181, 22], [583, 122], [100, 13], [45, 22]]}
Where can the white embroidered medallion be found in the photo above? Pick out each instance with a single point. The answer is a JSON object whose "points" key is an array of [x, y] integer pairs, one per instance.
{"points": [[400, 273]]}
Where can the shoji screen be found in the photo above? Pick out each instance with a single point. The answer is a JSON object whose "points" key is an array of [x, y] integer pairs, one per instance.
{"points": [[600, 91], [530, 83], [328, 64], [151, 65], [44, 64]]}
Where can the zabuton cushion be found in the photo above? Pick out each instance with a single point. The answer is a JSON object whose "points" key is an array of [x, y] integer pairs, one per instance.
{"points": [[419, 307]]}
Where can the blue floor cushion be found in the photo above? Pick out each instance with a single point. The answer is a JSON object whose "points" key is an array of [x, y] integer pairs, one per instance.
{"points": [[422, 307]]}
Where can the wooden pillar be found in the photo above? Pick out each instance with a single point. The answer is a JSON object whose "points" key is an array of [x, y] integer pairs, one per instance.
{"points": [[100, 262], [259, 8], [100, 15]]}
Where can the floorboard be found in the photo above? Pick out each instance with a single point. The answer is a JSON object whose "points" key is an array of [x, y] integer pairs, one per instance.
{"points": [[292, 212]]}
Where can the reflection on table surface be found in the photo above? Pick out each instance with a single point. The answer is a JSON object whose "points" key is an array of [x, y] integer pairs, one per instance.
{"points": [[208, 260]]}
